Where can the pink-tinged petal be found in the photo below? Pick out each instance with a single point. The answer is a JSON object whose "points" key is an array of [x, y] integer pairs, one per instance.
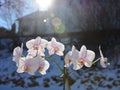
{"points": [[43, 72], [75, 53], [68, 59], [83, 52], [44, 43], [53, 40], [45, 67], [17, 53], [75, 58], [51, 51], [37, 41], [21, 65], [88, 63], [60, 46], [60, 53], [49, 46], [30, 43], [54, 43], [90, 55], [32, 52]]}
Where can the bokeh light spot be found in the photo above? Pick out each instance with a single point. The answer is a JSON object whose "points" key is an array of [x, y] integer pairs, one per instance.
{"points": [[60, 29]]}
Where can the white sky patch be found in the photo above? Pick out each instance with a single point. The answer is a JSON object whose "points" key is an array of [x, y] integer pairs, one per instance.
{"points": [[44, 5]]}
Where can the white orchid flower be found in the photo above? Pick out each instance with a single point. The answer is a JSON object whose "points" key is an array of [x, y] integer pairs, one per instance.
{"points": [[17, 53], [55, 47], [31, 65], [103, 60], [85, 57], [36, 46], [71, 56]]}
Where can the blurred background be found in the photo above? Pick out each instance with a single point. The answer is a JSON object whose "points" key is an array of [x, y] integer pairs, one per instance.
{"points": [[72, 22]]}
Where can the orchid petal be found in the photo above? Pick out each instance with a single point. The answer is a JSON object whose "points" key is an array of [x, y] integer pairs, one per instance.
{"points": [[53, 40], [83, 51], [75, 57], [37, 41], [43, 72], [30, 43], [60, 46], [75, 53], [17, 53], [21, 65], [51, 51], [44, 43], [77, 67], [68, 59], [60, 53], [44, 65], [88, 63], [90, 55]]}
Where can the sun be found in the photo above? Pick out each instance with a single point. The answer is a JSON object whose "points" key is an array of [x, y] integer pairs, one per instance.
{"points": [[44, 4]]}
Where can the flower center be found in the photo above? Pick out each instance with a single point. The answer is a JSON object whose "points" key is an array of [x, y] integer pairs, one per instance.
{"points": [[69, 60], [81, 62], [56, 49], [26, 68], [40, 68], [105, 61], [36, 47]]}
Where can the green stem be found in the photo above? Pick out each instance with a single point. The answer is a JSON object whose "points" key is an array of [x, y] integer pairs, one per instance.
{"points": [[96, 61], [64, 75], [64, 72], [68, 84], [66, 80], [49, 57]]}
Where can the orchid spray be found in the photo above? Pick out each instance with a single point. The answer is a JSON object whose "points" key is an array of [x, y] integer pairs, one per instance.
{"points": [[35, 60]]}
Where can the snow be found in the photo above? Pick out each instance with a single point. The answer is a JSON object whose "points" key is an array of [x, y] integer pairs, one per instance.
{"points": [[95, 78]]}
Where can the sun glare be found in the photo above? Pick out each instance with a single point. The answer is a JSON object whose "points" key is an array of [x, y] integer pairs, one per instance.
{"points": [[44, 4]]}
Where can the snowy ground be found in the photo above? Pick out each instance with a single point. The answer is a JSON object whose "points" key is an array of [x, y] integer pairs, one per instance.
{"points": [[95, 78]]}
